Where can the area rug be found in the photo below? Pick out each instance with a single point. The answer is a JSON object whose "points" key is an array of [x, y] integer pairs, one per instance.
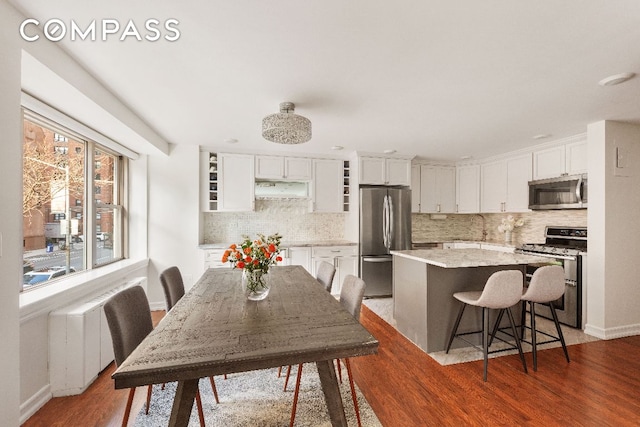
{"points": [[256, 399], [383, 307]]}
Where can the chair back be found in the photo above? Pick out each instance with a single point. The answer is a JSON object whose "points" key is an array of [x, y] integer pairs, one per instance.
{"points": [[325, 275], [173, 286], [547, 284], [503, 289], [129, 319], [351, 295]]}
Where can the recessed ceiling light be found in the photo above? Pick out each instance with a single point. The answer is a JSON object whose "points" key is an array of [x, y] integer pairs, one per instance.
{"points": [[389, 151], [337, 147], [231, 141], [616, 79], [542, 136]]}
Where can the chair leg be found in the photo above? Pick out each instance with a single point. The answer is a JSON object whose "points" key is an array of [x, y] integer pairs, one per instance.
{"points": [[215, 390], [279, 371], [485, 340], [534, 335], [295, 396], [149, 388], [127, 409], [455, 327], [555, 320], [517, 338], [353, 391], [523, 320], [286, 380], [496, 326], [339, 370], [199, 407]]}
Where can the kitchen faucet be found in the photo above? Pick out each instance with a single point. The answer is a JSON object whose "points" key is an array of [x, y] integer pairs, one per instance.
{"points": [[484, 227]]}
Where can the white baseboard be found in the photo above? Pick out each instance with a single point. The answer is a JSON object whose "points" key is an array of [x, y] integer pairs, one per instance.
{"points": [[612, 333], [35, 402]]}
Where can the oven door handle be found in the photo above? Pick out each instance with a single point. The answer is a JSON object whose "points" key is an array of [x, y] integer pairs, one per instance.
{"points": [[567, 257]]}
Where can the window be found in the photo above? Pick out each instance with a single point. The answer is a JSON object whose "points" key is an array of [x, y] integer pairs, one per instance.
{"points": [[63, 234]]}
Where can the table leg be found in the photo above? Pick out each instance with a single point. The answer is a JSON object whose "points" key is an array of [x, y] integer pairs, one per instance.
{"points": [[331, 393], [183, 403]]}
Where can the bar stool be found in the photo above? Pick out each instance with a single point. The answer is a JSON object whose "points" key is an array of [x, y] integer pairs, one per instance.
{"points": [[546, 285], [502, 291]]}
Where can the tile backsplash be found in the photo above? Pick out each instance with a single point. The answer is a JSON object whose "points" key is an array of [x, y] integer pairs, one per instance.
{"points": [[289, 217], [469, 226]]}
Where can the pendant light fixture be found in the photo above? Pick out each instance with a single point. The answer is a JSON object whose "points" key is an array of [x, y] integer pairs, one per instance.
{"points": [[286, 127]]}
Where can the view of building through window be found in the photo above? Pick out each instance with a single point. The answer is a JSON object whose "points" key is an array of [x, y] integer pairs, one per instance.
{"points": [[58, 238]]}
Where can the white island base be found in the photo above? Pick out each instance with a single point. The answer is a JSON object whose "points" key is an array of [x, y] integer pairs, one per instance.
{"points": [[424, 282]]}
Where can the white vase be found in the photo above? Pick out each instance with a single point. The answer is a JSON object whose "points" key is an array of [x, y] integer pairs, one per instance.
{"points": [[507, 236]]}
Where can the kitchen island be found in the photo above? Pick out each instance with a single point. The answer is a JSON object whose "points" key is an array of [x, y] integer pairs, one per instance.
{"points": [[425, 280]]}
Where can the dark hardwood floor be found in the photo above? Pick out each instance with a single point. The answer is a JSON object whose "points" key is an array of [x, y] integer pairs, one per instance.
{"points": [[405, 387]]}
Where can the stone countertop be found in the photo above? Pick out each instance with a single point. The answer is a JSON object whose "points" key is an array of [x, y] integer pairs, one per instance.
{"points": [[480, 242], [287, 244], [458, 258]]}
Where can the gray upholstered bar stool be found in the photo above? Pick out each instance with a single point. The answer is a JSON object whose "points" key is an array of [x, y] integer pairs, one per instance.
{"points": [[502, 291], [546, 286]]}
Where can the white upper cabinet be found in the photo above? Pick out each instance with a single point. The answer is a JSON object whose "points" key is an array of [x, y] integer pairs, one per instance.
{"points": [[383, 171], [328, 186], [569, 159], [277, 167], [415, 188], [468, 189], [437, 189], [505, 184], [236, 182]]}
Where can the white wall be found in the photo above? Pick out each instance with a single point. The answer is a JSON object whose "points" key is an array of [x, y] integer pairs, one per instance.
{"points": [[613, 293], [174, 216], [10, 212]]}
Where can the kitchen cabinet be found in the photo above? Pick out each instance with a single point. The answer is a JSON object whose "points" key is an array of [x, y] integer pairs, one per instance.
{"points": [[213, 259], [505, 184], [552, 162], [437, 189], [236, 182], [300, 255], [461, 245], [209, 181], [328, 186], [415, 188], [343, 258], [468, 189], [278, 167], [385, 171]]}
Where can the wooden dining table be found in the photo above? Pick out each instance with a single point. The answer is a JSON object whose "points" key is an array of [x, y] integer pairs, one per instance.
{"points": [[214, 329]]}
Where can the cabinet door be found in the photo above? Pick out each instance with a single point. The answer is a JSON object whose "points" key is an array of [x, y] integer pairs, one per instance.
{"points": [[415, 188], [297, 168], [518, 177], [372, 170], [429, 197], [447, 189], [468, 189], [327, 186], [236, 182], [494, 186], [549, 163], [269, 167], [300, 256], [345, 265], [576, 157], [398, 172]]}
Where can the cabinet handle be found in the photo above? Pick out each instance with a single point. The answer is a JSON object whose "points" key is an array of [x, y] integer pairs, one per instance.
{"points": [[457, 208], [438, 208]]}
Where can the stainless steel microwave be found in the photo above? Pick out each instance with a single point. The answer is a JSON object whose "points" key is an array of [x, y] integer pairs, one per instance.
{"points": [[564, 192]]}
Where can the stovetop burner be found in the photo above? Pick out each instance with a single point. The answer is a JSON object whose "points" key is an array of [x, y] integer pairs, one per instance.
{"points": [[568, 241]]}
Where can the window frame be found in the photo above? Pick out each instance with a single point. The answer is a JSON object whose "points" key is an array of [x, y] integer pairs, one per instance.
{"points": [[90, 206]]}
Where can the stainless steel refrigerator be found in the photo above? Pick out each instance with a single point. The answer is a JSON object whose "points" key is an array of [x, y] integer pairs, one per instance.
{"points": [[385, 225]]}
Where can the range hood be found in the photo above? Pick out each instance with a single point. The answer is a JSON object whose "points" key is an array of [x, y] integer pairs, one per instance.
{"points": [[268, 189]]}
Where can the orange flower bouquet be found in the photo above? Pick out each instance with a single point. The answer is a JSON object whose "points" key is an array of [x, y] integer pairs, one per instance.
{"points": [[254, 257]]}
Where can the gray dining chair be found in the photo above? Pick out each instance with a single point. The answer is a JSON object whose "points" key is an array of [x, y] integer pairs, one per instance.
{"points": [[325, 275], [173, 287], [351, 295], [129, 318]]}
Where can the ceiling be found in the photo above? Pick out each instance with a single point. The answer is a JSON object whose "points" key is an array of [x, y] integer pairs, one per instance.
{"points": [[441, 80]]}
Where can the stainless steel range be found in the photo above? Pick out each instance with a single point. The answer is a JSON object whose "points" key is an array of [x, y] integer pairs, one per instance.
{"points": [[566, 246]]}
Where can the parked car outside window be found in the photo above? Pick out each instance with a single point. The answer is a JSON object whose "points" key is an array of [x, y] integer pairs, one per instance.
{"points": [[35, 277]]}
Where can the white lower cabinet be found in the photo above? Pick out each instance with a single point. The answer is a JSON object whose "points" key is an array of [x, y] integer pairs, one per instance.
{"points": [[213, 259], [300, 256], [343, 258]]}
